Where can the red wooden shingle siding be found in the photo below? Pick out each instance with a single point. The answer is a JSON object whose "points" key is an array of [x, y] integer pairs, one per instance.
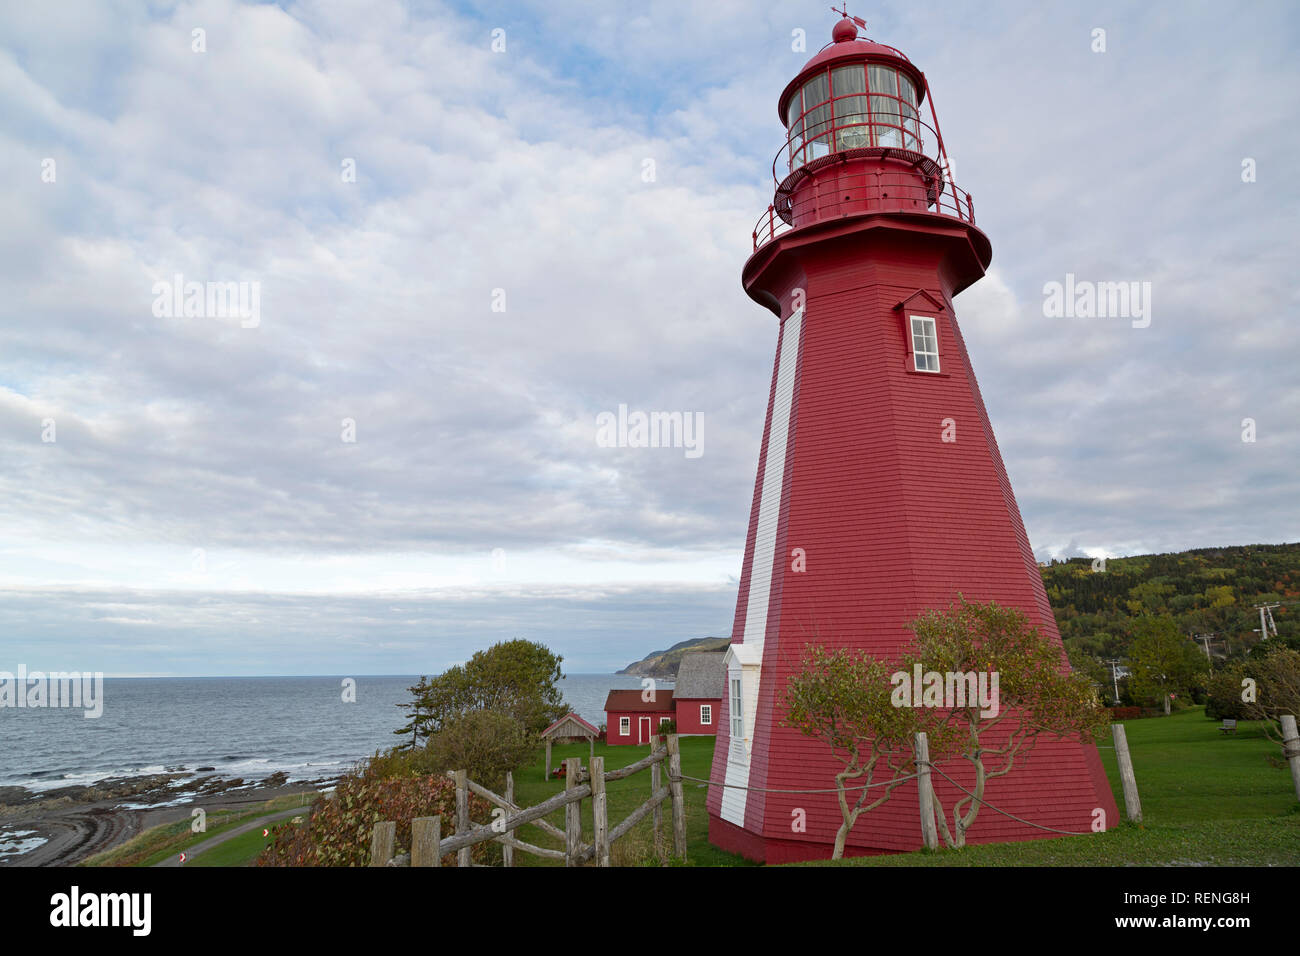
{"points": [[688, 715], [628, 703], [612, 735], [892, 521]]}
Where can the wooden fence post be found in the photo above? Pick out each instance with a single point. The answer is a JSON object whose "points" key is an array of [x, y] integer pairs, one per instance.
{"points": [[572, 813], [507, 851], [599, 811], [548, 759], [1131, 803], [1291, 749], [925, 787], [655, 783], [678, 796], [381, 843], [426, 833], [462, 814]]}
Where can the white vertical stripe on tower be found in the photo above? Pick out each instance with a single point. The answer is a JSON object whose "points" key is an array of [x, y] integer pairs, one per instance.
{"points": [[769, 507], [760, 575]]}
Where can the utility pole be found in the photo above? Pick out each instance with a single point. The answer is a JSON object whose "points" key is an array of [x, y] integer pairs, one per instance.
{"points": [[1114, 679], [1266, 619], [1206, 638]]}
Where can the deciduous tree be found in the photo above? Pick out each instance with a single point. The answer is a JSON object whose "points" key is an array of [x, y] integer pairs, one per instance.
{"points": [[514, 677], [485, 743], [1164, 661], [1275, 673], [1037, 695]]}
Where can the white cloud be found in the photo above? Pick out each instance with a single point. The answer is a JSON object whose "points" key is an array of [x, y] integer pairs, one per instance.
{"points": [[522, 171]]}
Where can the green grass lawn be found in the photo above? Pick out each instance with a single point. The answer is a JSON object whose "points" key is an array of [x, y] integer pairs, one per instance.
{"points": [[241, 850], [1258, 842], [1188, 771], [1208, 798]]}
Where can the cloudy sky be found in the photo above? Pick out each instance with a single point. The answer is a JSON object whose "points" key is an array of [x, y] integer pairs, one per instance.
{"points": [[457, 249]]}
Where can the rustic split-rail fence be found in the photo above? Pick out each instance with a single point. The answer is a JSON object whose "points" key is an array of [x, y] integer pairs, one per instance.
{"points": [[429, 846]]}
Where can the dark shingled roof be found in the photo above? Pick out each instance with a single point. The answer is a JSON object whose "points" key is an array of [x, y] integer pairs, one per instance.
{"points": [[630, 701], [701, 674]]}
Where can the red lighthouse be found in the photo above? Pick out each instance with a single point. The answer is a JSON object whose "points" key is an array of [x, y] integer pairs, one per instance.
{"points": [[880, 489]]}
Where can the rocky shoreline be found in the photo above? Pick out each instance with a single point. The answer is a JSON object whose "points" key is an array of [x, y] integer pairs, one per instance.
{"points": [[76, 822]]}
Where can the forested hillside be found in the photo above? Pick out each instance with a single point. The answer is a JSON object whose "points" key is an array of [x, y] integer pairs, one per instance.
{"points": [[1209, 591]]}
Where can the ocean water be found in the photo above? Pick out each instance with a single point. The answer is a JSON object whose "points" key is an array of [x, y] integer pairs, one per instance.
{"points": [[249, 727]]}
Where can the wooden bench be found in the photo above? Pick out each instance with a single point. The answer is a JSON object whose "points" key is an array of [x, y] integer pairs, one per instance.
{"points": [[1229, 726]]}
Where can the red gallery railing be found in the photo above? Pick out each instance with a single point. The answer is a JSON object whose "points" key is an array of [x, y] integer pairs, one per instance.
{"points": [[869, 199]]}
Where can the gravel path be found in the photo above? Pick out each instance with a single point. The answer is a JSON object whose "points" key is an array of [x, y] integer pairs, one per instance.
{"points": [[230, 834]]}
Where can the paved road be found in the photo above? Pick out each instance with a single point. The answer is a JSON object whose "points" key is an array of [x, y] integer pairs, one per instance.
{"points": [[192, 852]]}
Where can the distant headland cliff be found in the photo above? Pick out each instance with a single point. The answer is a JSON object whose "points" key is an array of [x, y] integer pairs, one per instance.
{"points": [[663, 665]]}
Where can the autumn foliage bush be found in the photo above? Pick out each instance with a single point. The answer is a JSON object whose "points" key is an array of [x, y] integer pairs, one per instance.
{"points": [[339, 829]]}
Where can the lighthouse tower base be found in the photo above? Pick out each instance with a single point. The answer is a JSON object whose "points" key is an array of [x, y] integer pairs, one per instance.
{"points": [[902, 815], [760, 849]]}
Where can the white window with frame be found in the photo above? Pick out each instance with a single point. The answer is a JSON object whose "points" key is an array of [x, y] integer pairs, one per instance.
{"points": [[706, 714], [624, 726], [925, 344], [737, 720]]}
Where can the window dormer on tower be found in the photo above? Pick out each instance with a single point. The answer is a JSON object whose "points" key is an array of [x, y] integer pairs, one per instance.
{"points": [[918, 320]]}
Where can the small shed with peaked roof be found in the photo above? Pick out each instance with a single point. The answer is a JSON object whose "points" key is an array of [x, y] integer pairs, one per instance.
{"points": [[569, 727]]}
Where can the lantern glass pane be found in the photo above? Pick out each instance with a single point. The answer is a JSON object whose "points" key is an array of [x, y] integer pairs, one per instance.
{"points": [[911, 127], [907, 90], [850, 107], [884, 79], [817, 116], [851, 121], [816, 91], [849, 79], [885, 121], [819, 131]]}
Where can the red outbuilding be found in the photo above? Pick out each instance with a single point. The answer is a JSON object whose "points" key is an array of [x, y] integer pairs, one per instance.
{"points": [[697, 695], [632, 719], [880, 490], [693, 705]]}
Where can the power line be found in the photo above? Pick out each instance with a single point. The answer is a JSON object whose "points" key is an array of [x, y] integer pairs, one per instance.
{"points": [[1207, 638]]}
